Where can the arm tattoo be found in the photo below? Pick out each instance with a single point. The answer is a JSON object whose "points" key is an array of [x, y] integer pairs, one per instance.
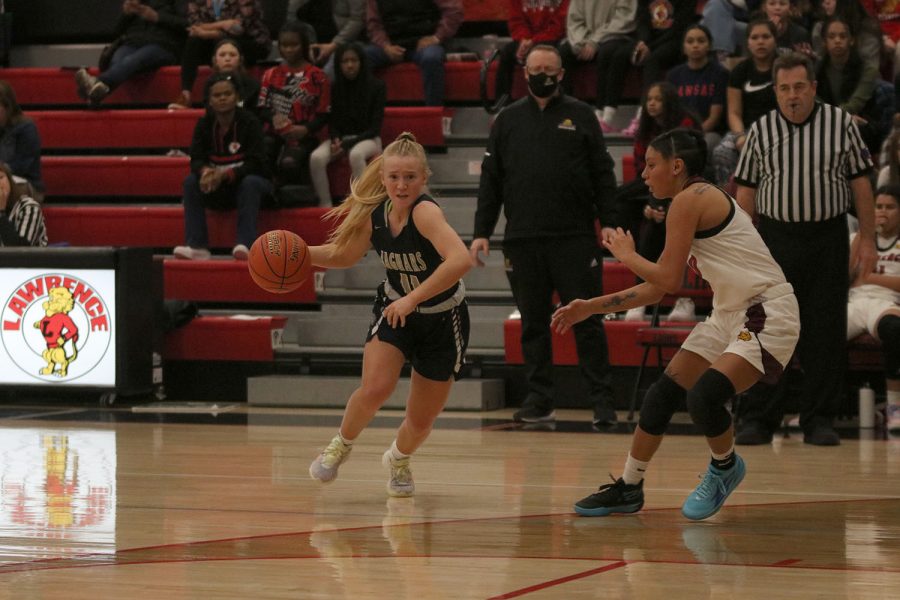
{"points": [[701, 189], [618, 300]]}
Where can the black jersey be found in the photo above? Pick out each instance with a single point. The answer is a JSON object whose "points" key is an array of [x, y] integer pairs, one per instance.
{"points": [[408, 258]]}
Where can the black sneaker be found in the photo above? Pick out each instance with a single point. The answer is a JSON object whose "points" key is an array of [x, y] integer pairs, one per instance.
{"points": [[617, 497], [752, 434], [821, 435], [534, 414], [604, 417]]}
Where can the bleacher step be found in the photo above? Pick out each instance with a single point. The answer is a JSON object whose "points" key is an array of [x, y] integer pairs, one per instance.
{"points": [[316, 391]]}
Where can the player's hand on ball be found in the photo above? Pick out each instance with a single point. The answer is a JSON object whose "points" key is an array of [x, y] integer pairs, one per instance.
{"points": [[396, 311], [620, 243], [574, 312]]}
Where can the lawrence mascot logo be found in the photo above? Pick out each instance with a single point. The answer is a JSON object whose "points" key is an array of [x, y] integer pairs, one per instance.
{"points": [[56, 327]]}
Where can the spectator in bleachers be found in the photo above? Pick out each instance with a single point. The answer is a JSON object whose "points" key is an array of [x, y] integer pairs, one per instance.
{"points": [[530, 22], [212, 21], [727, 22], [874, 297], [867, 34], [600, 33], [750, 95], [292, 99], [335, 22], [849, 83], [413, 30], [890, 170], [21, 218], [789, 35], [660, 29], [637, 211], [20, 143], [228, 170], [701, 83], [149, 35], [887, 14], [227, 58], [354, 119]]}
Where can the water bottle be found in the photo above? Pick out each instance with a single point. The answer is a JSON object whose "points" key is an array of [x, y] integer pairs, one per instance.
{"points": [[866, 407]]}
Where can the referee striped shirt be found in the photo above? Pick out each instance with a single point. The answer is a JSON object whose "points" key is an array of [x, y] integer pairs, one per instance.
{"points": [[24, 226], [802, 172]]}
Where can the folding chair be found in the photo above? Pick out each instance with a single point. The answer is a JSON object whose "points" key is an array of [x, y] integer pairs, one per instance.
{"points": [[664, 336]]}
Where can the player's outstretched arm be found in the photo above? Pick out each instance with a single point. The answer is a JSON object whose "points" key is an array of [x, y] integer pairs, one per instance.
{"points": [[331, 256], [578, 310]]}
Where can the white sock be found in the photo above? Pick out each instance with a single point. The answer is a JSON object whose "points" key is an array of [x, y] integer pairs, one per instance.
{"points": [[634, 470], [609, 113], [723, 456], [395, 452], [344, 440], [893, 398]]}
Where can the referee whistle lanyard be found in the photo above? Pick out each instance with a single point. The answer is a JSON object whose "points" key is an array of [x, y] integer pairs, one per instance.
{"points": [[217, 6]]}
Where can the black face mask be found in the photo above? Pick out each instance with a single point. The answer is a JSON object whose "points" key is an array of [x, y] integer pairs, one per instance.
{"points": [[542, 85]]}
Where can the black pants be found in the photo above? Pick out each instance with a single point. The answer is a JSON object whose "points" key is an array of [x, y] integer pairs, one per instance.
{"points": [[814, 257], [574, 268], [612, 62]]}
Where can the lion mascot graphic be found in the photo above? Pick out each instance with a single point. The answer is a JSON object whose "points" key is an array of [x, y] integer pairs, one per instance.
{"points": [[58, 328]]}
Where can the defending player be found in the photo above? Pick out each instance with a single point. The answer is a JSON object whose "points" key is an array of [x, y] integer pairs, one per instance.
{"points": [[751, 333], [420, 309]]}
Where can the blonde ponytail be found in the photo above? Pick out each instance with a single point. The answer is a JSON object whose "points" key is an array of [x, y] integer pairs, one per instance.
{"points": [[367, 192]]}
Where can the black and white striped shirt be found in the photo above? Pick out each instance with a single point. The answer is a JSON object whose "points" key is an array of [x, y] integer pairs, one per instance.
{"points": [[24, 226], [803, 172]]}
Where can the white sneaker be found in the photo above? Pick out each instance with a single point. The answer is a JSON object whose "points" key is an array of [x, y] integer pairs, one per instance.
{"points": [[188, 253], [401, 483], [635, 314], [325, 467], [240, 252], [682, 311], [893, 418]]}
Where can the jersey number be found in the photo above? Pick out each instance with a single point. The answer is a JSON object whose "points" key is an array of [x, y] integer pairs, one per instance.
{"points": [[409, 282]]}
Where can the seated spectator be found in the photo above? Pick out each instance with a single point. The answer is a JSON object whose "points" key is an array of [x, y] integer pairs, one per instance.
{"points": [[354, 119], [291, 98], [228, 170], [600, 33], [20, 144], [847, 82], [874, 297], [530, 23], [636, 209], [865, 29], [887, 14], [701, 83], [334, 22], [227, 59], [660, 28], [890, 171], [21, 218], [210, 22], [789, 35], [727, 23], [149, 35], [750, 95], [413, 30]]}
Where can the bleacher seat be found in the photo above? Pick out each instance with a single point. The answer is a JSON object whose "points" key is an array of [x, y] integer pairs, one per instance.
{"points": [[112, 176], [226, 339], [224, 281], [163, 226]]}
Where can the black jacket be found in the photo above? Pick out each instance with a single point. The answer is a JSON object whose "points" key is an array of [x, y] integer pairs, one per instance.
{"points": [[240, 148], [549, 169], [168, 32]]}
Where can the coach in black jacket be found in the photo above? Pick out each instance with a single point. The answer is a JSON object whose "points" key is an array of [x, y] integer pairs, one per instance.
{"points": [[547, 165]]}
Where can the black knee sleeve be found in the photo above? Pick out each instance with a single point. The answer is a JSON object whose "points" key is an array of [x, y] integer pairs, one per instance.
{"points": [[660, 402], [889, 334], [706, 403]]}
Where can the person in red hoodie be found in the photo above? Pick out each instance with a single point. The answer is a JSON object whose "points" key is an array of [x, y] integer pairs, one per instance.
{"points": [[530, 22]]}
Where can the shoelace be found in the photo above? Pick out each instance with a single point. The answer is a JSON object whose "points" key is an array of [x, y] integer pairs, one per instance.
{"points": [[710, 484], [608, 486], [400, 472], [333, 453]]}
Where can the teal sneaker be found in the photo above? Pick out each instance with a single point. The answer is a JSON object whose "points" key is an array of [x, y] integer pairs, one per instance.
{"points": [[716, 486], [616, 497]]}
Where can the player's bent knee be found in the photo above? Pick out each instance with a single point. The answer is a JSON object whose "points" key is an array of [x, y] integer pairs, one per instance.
{"points": [[660, 402], [706, 403]]}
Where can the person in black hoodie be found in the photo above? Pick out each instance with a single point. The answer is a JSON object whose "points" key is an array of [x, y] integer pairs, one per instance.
{"points": [[228, 169], [354, 119], [149, 35]]}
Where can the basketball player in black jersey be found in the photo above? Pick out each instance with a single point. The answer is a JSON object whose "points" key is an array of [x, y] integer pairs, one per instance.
{"points": [[420, 310]]}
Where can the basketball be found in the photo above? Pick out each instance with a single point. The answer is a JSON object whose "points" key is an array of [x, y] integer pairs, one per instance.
{"points": [[279, 261]]}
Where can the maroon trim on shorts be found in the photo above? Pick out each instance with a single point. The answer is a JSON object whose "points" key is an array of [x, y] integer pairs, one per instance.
{"points": [[756, 323]]}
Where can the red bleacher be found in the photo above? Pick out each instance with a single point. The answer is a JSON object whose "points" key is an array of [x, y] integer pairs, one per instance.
{"points": [[224, 280], [225, 338], [110, 176]]}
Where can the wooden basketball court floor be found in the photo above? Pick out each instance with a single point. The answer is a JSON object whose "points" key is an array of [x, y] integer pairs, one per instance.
{"points": [[115, 504]]}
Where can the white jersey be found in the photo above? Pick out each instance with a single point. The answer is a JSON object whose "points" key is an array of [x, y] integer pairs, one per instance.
{"points": [[888, 264], [736, 263]]}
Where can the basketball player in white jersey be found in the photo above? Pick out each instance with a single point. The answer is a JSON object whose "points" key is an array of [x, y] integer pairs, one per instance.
{"points": [[874, 296], [751, 333]]}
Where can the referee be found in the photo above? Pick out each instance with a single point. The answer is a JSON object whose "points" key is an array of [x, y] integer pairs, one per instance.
{"points": [[800, 169]]}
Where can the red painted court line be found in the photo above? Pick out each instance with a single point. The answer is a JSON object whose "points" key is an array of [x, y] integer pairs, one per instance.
{"points": [[553, 582], [787, 562]]}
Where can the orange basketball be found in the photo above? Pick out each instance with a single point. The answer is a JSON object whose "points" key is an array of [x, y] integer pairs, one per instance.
{"points": [[279, 261]]}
